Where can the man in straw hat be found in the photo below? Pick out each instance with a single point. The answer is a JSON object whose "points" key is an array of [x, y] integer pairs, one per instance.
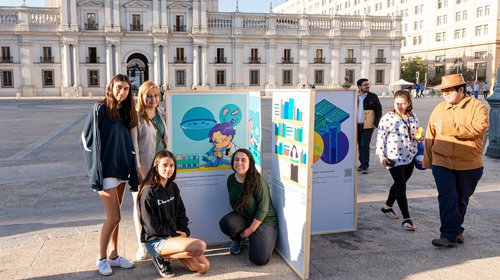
{"points": [[454, 149]]}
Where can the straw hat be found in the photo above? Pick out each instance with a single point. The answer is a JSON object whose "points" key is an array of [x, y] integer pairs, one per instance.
{"points": [[451, 81]]}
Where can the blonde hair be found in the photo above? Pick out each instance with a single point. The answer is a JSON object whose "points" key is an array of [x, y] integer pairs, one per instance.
{"points": [[146, 87]]}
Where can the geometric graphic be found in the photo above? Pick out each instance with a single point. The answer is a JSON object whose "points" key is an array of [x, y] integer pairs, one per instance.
{"points": [[197, 123], [318, 148], [230, 113], [327, 123]]}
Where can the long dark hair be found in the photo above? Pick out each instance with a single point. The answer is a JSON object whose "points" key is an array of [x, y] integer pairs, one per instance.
{"points": [[124, 111], [406, 95], [252, 179], [153, 178]]}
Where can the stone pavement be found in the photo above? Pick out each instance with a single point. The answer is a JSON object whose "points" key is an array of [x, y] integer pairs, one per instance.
{"points": [[50, 220]]}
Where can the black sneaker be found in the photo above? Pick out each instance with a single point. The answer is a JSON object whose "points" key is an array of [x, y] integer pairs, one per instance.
{"points": [[235, 248], [164, 267]]}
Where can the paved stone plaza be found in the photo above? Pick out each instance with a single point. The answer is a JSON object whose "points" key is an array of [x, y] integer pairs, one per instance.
{"points": [[50, 219]]}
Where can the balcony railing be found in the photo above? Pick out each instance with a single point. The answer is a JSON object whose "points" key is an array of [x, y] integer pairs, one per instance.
{"points": [[7, 59], [92, 59], [287, 60], [46, 59], [319, 60], [220, 59], [136, 27], [180, 28], [91, 26], [180, 59], [350, 60], [255, 60], [380, 60]]}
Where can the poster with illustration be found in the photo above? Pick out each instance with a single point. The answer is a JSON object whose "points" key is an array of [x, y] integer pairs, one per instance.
{"points": [[254, 128], [292, 118], [205, 129], [334, 187]]}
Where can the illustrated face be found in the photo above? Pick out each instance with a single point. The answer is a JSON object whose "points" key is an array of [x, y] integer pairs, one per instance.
{"points": [[220, 140], [241, 163], [451, 95], [401, 104], [166, 168], [120, 91], [151, 99]]}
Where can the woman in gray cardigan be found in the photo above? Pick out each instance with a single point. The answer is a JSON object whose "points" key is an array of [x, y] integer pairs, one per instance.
{"points": [[149, 137]]}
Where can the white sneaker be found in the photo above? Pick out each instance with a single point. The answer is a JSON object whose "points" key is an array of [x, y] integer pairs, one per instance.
{"points": [[121, 262], [141, 253], [103, 267]]}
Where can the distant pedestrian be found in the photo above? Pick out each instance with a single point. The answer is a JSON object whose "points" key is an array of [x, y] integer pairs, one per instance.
{"points": [[486, 90], [453, 149], [396, 148], [469, 90], [476, 89], [369, 114], [111, 162]]}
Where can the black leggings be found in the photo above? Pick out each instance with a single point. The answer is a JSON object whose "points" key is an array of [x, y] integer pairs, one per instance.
{"points": [[400, 174], [262, 241]]}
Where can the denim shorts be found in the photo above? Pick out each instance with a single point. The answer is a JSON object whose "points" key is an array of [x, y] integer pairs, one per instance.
{"points": [[154, 247]]}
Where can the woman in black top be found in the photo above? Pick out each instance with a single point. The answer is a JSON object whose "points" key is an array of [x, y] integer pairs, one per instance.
{"points": [[163, 217], [111, 162]]}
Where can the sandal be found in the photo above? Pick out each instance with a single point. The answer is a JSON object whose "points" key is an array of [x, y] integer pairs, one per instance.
{"points": [[408, 225], [389, 213]]}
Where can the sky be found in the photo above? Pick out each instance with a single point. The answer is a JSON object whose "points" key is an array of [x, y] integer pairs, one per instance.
{"points": [[249, 6]]}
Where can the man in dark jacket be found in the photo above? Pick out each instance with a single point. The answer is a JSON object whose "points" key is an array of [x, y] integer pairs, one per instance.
{"points": [[369, 114]]}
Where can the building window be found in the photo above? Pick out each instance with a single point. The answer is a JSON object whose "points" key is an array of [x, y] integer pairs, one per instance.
{"points": [[180, 77], [481, 70], [439, 20], [445, 19], [48, 78], [179, 26], [439, 58], [480, 55], [93, 78], [179, 55], [479, 12], [91, 22], [419, 9], [487, 10], [287, 56], [6, 58], [457, 16], [7, 79], [379, 77], [440, 4], [92, 55], [349, 76], [255, 77], [350, 56], [254, 56], [220, 58], [440, 36], [380, 56], [46, 55], [287, 77], [481, 30], [318, 58], [220, 77], [136, 23], [439, 70], [319, 77]]}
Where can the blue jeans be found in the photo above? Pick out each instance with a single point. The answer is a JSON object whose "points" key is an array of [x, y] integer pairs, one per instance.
{"points": [[476, 93], [455, 187], [364, 139], [261, 242]]}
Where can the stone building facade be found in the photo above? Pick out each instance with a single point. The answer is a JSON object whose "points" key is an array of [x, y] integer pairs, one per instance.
{"points": [[77, 47]]}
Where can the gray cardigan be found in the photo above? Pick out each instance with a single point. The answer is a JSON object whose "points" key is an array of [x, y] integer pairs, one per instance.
{"points": [[144, 139]]}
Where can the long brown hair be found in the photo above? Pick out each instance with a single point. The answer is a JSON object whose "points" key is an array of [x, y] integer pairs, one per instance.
{"points": [[144, 89], [252, 179], [125, 110], [406, 95], [153, 178]]}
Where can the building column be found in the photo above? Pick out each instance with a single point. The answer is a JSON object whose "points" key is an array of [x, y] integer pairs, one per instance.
{"points": [[116, 15], [107, 14], [204, 65], [27, 87], [64, 14], [335, 75], [196, 16], [118, 60], [395, 63], [74, 17], [156, 65], [156, 12], [271, 64], [303, 63], [76, 65], [203, 17], [165, 65], [237, 64], [109, 62], [65, 65], [196, 69], [365, 62], [163, 14]]}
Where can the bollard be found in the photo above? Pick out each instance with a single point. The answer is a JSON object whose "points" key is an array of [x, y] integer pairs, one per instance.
{"points": [[493, 149]]}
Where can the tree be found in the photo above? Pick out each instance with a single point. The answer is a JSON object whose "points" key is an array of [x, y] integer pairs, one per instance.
{"points": [[410, 67]]}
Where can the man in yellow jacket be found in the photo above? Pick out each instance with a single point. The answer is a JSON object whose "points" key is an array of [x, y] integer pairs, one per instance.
{"points": [[454, 151]]}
